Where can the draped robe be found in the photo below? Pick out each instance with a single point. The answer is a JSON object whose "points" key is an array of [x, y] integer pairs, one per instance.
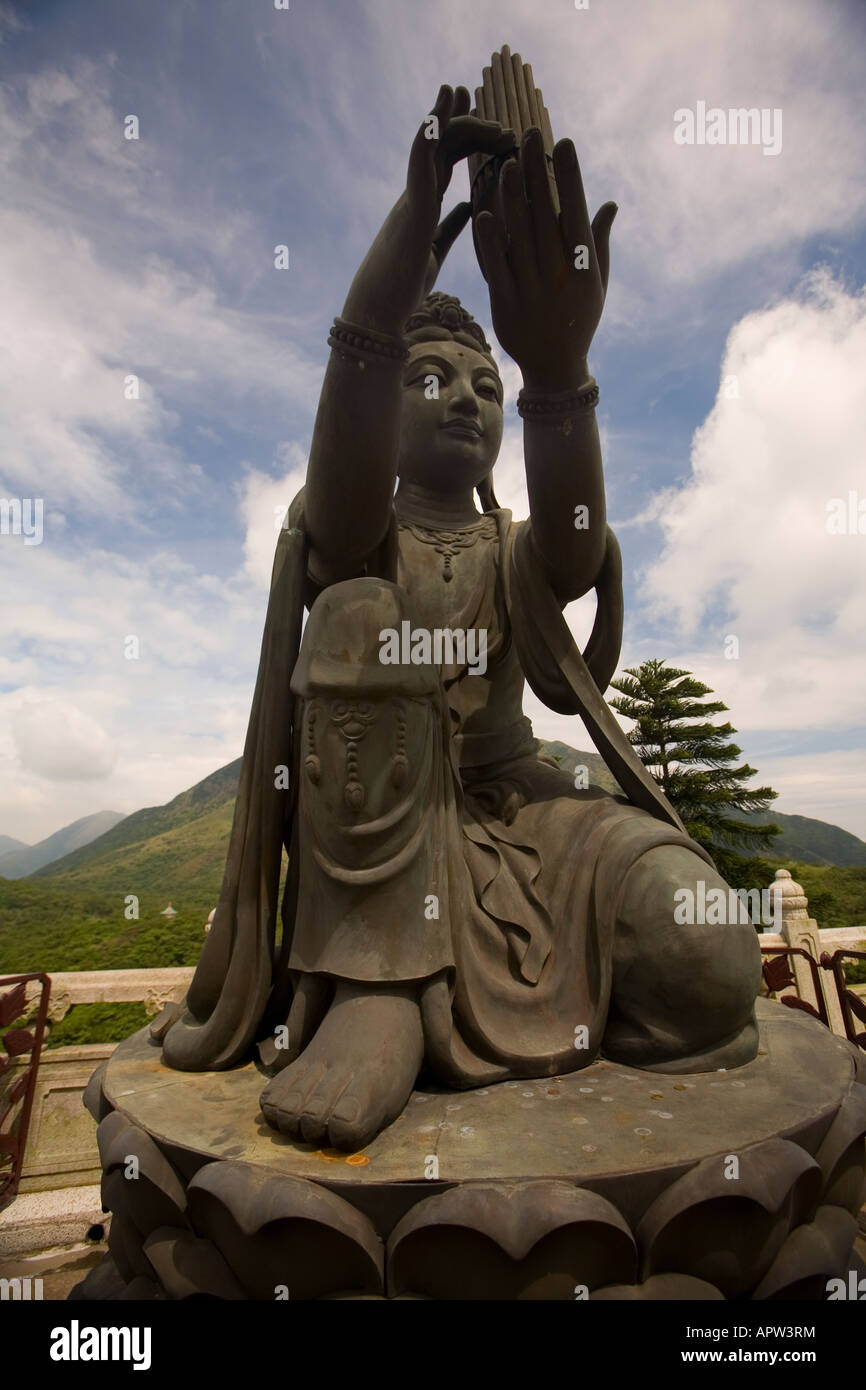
{"points": [[516, 963]]}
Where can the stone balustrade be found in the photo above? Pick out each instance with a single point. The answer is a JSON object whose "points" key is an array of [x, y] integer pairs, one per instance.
{"points": [[798, 929], [153, 987], [61, 1149], [61, 1144]]}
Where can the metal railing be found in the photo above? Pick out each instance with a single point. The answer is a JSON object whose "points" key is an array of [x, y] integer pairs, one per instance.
{"points": [[851, 1004], [16, 1086], [779, 976]]}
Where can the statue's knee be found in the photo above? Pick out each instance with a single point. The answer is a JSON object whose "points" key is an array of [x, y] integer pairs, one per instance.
{"points": [[702, 978], [345, 621], [673, 896], [367, 725], [349, 643]]}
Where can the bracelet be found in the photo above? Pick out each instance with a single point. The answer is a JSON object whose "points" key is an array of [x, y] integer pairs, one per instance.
{"points": [[553, 406], [367, 343]]}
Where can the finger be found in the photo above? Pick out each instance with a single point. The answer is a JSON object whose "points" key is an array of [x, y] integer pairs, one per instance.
{"points": [[573, 216], [492, 243], [441, 109], [469, 135], [462, 102], [533, 165], [444, 237], [488, 100], [423, 146], [449, 230], [500, 109], [444, 103], [518, 220], [601, 225], [510, 89], [427, 160]]}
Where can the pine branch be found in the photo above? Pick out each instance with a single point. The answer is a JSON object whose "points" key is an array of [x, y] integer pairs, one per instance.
{"points": [[693, 759]]}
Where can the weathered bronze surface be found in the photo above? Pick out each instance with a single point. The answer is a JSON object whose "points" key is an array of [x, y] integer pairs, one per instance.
{"points": [[610, 1183], [455, 907]]}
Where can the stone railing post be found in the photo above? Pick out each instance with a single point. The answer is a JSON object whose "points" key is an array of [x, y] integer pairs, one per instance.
{"points": [[797, 928]]}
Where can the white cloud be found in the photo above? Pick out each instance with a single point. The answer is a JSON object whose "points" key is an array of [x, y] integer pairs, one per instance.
{"points": [[77, 328], [167, 719], [59, 742], [828, 786], [612, 77], [11, 22], [89, 301], [264, 503], [111, 265], [746, 550]]}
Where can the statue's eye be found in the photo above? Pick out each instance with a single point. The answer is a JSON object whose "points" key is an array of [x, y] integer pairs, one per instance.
{"points": [[425, 375], [487, 390]]}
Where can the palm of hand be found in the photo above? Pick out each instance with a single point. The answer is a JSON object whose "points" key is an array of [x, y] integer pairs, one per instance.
{"points": [[445, 137], [547, 271]]}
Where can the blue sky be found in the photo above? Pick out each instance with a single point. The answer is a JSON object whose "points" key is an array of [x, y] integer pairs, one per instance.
{"points": [[731, 356]]}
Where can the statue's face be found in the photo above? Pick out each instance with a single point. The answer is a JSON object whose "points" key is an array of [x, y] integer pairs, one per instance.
{"points": [[451, 420]]}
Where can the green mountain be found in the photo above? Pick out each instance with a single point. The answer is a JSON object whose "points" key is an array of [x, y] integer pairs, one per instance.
{"points": [[27, 859], [810, 841], [569, 758], [101, 907], [79, 912], [806, 840], [207, 796]]}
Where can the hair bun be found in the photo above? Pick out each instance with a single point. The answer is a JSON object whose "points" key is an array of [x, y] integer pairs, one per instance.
{"points": [[442, 316]]}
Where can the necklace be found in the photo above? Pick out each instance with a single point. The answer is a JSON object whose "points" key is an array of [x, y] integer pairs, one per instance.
{"points": [[448, 543]]}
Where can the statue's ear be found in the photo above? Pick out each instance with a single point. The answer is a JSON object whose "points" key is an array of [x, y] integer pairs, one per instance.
{"points": [[444, 238]]}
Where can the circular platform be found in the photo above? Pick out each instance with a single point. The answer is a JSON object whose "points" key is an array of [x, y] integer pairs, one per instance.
{"points": [[590, 1181], [602, 1120]]}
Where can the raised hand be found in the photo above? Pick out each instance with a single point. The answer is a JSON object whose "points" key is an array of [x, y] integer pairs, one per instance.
{"points": [[446, 136], [547, 272], [403, 261]]}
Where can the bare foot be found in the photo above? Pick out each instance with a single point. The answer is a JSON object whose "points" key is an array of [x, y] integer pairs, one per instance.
{"points": [[356, 1074]]}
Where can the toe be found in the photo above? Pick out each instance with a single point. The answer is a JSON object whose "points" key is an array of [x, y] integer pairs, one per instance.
{"points": [[314, 1118], [285, 1120], [319, 1106], [351, 1125], [284, 1099]]}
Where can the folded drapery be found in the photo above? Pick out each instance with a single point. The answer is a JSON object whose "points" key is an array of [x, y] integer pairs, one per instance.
{"points": [[242, 988]]}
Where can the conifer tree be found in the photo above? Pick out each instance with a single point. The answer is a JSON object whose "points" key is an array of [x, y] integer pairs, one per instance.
{"points": [[693, 759]]}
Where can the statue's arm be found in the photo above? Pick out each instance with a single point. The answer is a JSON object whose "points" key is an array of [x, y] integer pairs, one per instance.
{"points": [[352, 463], [565, 484], [353, 458], [547, 273]]}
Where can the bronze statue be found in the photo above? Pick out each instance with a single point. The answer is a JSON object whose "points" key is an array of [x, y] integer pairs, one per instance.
{"points": [[453, 904]]}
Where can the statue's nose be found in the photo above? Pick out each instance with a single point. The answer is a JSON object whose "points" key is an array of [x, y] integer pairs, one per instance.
{"points": [[463, 400]]}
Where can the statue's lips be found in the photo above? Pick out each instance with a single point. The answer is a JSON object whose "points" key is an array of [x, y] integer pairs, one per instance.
{"points": [[464, 427]]}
